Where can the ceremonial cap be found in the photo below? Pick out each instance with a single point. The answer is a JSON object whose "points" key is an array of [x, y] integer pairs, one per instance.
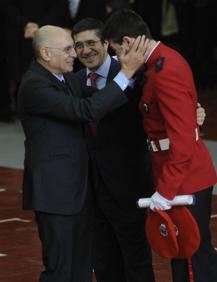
{"points": [[173, 233]]}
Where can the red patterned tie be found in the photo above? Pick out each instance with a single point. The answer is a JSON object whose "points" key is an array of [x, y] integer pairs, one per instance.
{"points": [[93, 78]]}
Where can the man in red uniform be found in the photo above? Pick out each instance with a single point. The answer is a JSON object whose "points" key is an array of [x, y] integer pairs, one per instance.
{"points": [[181, 162]]}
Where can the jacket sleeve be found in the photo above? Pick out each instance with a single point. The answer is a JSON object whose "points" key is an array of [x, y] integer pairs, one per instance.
{"points": [[39, 96]]}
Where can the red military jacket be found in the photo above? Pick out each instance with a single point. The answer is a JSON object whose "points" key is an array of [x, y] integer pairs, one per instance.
{"points": [[168, 106]]}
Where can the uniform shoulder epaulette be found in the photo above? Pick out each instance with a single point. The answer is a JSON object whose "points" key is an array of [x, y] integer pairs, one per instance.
{"points": [[159, 63]]}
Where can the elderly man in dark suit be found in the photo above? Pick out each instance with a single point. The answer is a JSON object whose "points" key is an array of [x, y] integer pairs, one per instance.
{"points": [[56, 176]]}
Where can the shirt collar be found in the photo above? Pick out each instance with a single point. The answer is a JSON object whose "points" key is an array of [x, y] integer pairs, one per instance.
{"points": [[103, 69], [152, 50], [59, 77]]}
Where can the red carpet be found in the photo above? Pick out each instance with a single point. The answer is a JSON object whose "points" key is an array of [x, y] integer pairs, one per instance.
{"points": [[19, 240]]}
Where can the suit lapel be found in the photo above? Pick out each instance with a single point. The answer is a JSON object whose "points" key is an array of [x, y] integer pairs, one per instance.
{"points": [[63, 87], [114, 69], [87, 91]]}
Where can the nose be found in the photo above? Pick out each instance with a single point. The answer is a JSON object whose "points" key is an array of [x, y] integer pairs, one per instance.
{"points": [[86, 49]]}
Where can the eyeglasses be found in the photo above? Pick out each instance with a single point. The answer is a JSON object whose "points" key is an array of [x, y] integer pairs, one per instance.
{"points": [[88, 43], [67, 50]]}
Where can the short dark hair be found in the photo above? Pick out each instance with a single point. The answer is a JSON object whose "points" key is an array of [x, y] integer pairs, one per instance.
{"points": [[125, 22], [88, 24]]}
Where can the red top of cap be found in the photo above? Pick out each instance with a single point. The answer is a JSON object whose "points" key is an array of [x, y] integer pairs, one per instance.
{"points": [[188, 236], [173, 233], [161, 234]]}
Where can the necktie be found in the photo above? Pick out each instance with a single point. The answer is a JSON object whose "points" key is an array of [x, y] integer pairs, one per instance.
{"points": [[66, 87], [93, 78]]}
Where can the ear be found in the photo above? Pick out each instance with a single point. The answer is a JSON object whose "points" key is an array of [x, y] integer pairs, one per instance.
{"points": [[106, 44], [127, 40], [127, 43], [45, 53]]}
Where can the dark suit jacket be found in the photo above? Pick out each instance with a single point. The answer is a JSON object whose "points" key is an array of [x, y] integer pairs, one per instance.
{"points": [[56, 156], [120, 150]]}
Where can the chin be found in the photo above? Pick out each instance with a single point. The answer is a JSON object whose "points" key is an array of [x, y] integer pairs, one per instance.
{"points": [[92, 66], [69, 69], [90, 62]]}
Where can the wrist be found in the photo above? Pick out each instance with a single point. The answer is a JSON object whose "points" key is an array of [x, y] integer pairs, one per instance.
{"points": [[127, 72]]}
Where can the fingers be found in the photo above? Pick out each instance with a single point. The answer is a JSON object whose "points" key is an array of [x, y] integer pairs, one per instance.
{"points": [[30, 29], [200, 114], [132, 55], [201, 110], [137, 42], [143, 46], [156, 206], [158, 202], [148, 48], [124, 49]]}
